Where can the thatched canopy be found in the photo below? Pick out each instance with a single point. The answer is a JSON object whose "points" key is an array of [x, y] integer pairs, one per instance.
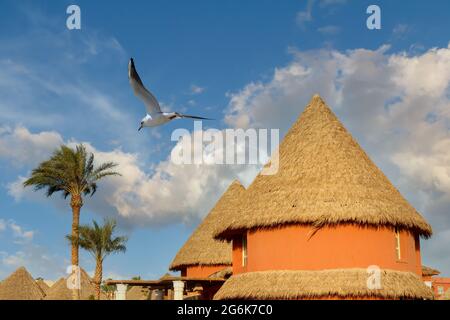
{"points": [[60, 291], [20, 285], [338, 283], [429, 272], [324, 178], [201, 248], [44, 287], [138, 293]]}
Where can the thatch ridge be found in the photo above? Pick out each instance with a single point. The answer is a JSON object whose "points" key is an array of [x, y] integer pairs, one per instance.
{"points": [[324, 178], [429, 272], [336, 283], [44, 287], [60, 291], [201, 248], [20, 285]]}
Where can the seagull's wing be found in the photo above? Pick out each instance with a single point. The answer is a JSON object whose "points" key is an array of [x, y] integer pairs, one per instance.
{"points": [[140, 91], [179, 115]]}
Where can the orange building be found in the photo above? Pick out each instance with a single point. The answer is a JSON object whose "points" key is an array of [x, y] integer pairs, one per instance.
{"points": [[327, 225], [202, 256], [439, 285]]}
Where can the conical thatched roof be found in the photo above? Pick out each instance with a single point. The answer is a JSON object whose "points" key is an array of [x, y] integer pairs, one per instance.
{"points": [[324, 178], [44, 287], [20, 285], [137, 293], [201, 248], [338, 283], [60, 291], [428, 272]]}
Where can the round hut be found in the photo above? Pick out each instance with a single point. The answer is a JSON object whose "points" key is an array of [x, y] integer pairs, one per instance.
{"points": [[327, 225], [202, 255]]}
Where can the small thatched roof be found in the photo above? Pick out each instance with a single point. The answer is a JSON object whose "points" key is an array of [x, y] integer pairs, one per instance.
{"points": [[428, 272], [324, 178], [222, 274], [138, 293], [201, 248], [338, 283], [44, 287], [60, 291], [20, 285]]}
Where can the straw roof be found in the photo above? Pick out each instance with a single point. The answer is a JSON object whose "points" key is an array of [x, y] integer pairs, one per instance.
{"points": [[201, 248], [428, 272], [20, 285], [337, 283], [44, 287], [324, 178], [60, 291], [138, 293], [222, 274]]}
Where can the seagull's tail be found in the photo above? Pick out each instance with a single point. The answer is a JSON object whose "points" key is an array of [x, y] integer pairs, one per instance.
{"points": [[179, 115]]}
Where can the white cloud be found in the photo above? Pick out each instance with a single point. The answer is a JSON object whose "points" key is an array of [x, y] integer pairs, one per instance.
{"points": [[24, 148], [19, 232], [305, 15], [196, 89], [156, 195], [329, 30]]}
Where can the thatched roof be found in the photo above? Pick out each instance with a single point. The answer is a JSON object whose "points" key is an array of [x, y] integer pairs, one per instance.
{"points": [[222, 274], [20, 285], [338, 283], [201, 248], [138, 293], [60, 291], [44, 287], [324, 178], [428, 272]]}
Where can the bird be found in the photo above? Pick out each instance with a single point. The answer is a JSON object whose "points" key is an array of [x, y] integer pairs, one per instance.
{"points": [[154, 117]]}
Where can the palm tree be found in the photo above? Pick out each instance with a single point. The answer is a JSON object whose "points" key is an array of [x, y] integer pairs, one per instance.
{"points": [[73, 173], [99, 241]]}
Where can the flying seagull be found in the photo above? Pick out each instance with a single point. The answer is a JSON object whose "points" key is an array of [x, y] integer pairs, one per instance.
{"points": [[155, 117]]}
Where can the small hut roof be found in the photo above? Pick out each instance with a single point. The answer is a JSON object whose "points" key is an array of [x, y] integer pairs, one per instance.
{"points": [[337, 283], [138, 293], [20, 285], [324, 178], [428, 272], [60, 291], [201, 248], [44, 287]]}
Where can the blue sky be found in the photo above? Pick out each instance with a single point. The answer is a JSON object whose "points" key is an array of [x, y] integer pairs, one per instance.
{"points": [[244, 63]]}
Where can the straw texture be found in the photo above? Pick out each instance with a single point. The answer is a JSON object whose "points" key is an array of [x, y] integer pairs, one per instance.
{"points": [[137, 293], [332, 284], [20, 285], [60, 291], [44, 287], [201, 248], [429, 272], [324, 178]]}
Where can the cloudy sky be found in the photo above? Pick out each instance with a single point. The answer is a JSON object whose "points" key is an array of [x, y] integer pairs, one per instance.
{"points": [[245, 64]]}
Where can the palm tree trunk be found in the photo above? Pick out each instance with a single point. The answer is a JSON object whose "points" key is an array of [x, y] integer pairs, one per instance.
{"points": [[76, 203], [98, 276]]}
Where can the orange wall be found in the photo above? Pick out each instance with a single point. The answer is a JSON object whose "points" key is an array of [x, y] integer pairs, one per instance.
{"points": [[201, 271], [440, 282], [343, 246]]}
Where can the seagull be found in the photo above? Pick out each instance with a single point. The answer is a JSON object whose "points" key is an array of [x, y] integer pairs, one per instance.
{"points": [[154, 117]]}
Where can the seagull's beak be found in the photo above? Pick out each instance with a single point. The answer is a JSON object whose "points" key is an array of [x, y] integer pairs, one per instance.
{"points": [[140, 127]]}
